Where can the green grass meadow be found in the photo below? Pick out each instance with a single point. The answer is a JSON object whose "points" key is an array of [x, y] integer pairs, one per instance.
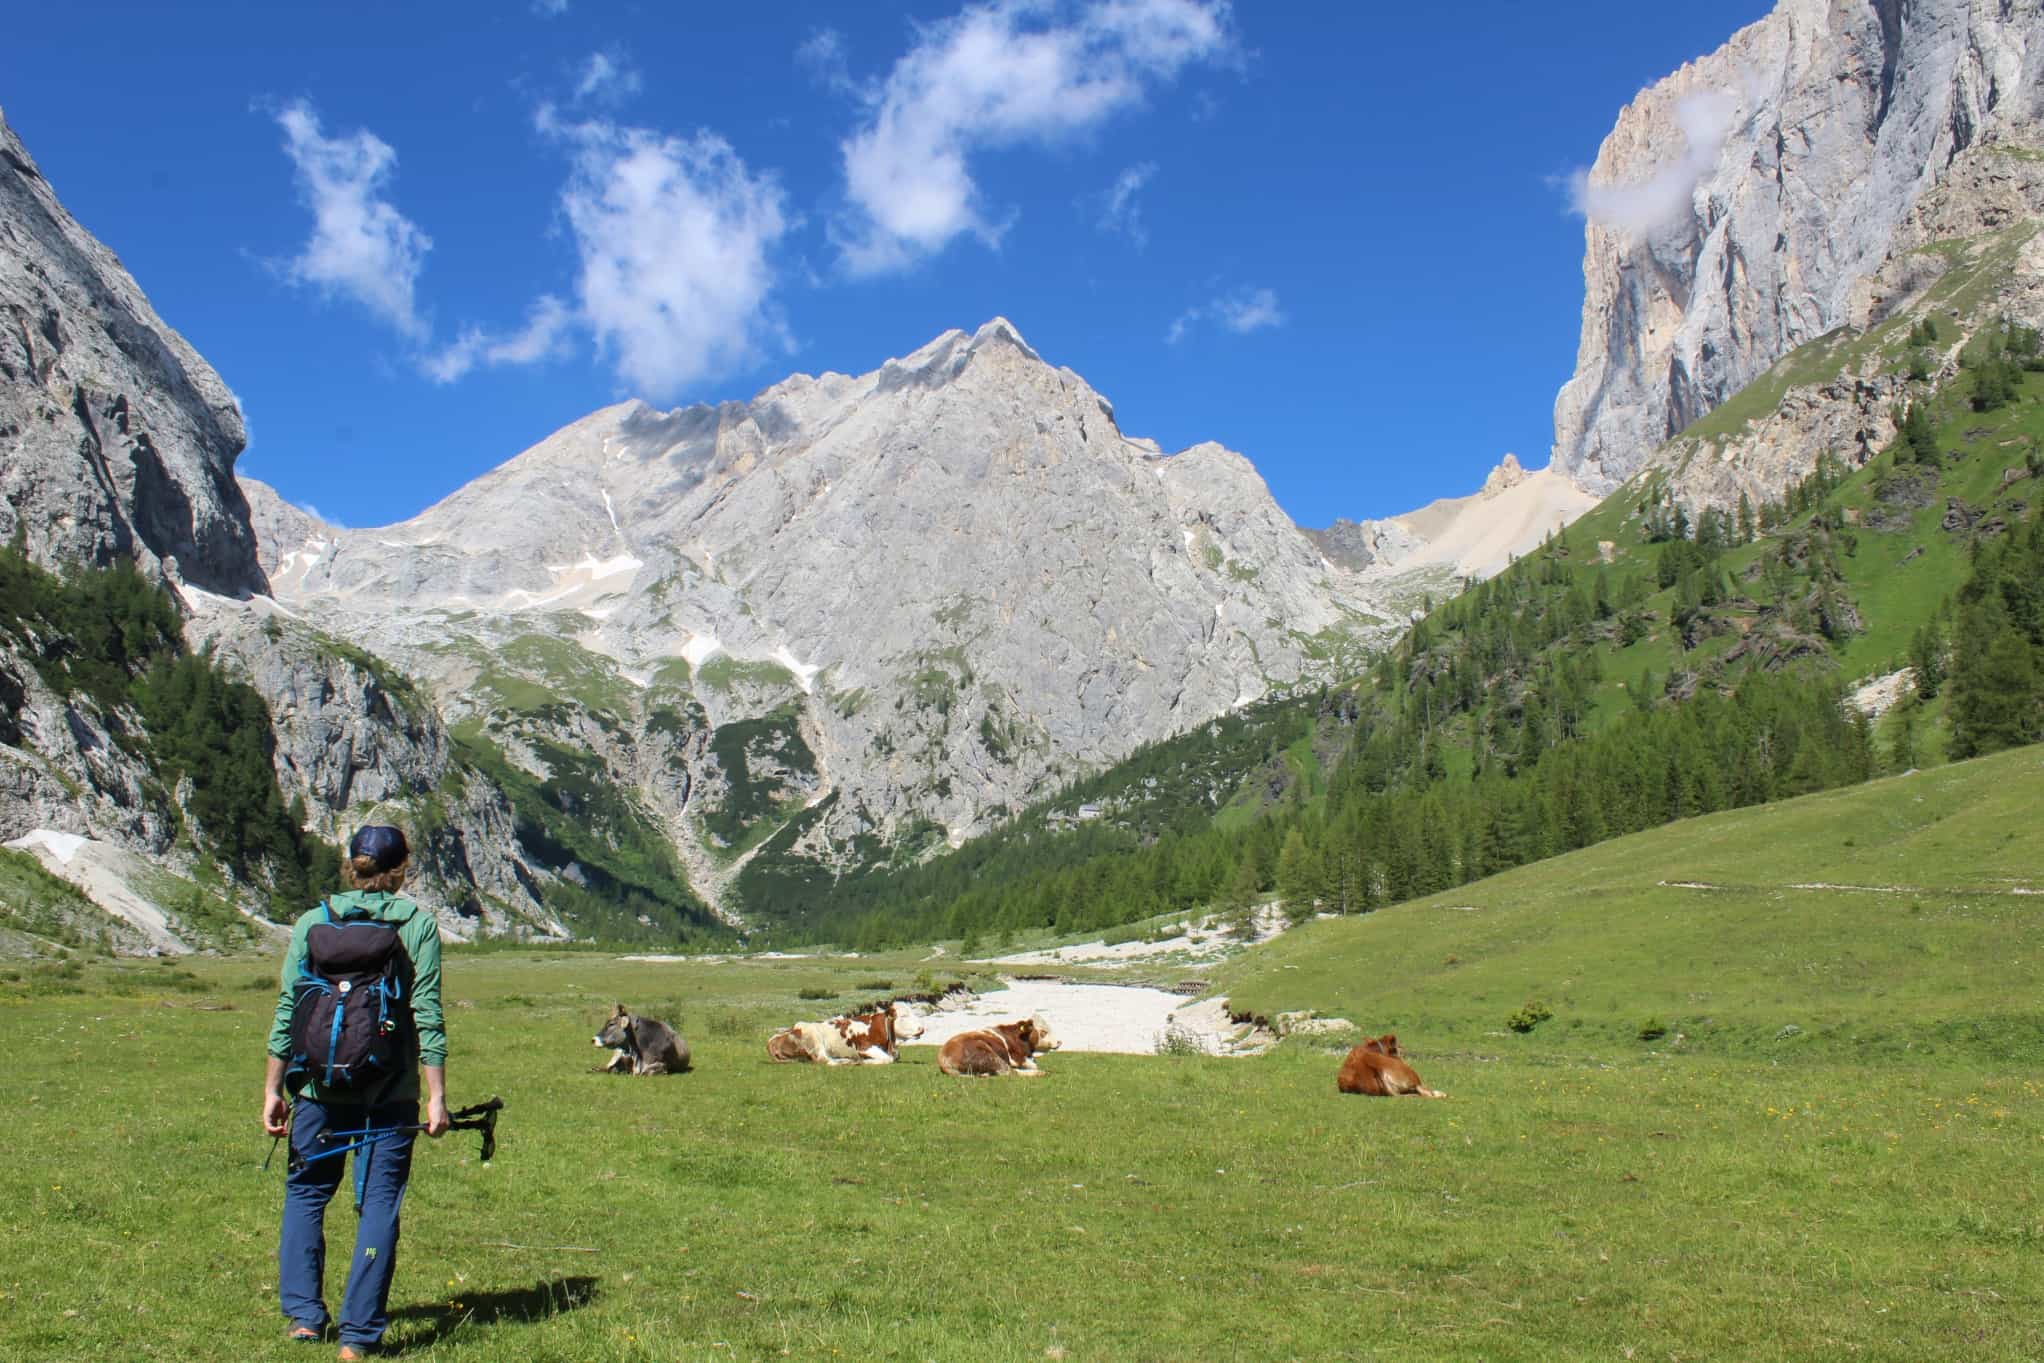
{"points": [[1829, 1153]]}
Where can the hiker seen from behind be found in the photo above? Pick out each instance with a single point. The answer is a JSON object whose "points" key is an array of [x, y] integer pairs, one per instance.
{"points": [[358, 1016]]}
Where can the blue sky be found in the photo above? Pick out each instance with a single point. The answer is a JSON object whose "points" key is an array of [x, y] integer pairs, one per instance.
{"points": [[416, 239]]}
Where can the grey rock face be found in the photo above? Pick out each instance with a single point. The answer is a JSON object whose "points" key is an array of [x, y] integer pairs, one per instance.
{"points": [[116, 439], [1707, 263], [61, 769], [358, 743], [351, 735], [955, 574], [1352, 544], [1969, 254]]}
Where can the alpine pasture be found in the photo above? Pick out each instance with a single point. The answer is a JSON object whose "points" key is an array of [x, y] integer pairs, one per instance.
{"points": [[1786, 1103]]}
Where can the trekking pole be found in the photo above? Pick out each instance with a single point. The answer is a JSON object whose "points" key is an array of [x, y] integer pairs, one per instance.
{"points": [[480, 1117]]}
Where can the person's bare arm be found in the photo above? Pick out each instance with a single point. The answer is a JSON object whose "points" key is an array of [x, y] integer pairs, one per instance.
{"points": [[276, 1107], [436, 1100]]}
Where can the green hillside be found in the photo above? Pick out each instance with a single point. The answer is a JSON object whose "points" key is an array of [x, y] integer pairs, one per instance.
{"points": [[1907, 912]]}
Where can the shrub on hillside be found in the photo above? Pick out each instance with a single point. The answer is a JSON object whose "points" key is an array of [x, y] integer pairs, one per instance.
{"points": [[1530, 1015]]}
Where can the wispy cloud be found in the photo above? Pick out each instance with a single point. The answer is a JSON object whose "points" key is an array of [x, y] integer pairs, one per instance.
{"points": [[822, 55], [361, 247], [1705, 120], [674, 236], [545, 334], [607, 77], [549, 9], [1121, 211], [1243, 311], [998, 74]]}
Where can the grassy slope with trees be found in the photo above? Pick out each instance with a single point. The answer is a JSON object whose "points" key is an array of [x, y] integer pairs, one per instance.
{"points": [[1832, 925]]}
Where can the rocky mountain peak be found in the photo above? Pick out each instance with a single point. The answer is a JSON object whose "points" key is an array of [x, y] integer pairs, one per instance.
{"points": [[1001, 329], [953, 578]]}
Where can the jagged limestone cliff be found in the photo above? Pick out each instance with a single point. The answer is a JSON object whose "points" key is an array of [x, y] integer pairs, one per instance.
{"points": [[116, 439], [1739, 207], [1967, 258]]}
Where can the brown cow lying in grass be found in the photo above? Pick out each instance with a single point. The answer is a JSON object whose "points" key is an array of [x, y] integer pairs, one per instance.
{"points": [[1010, 1048], [1375, 1069], [862, 1038]]}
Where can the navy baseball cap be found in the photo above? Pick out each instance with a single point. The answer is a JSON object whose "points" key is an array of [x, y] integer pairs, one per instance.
{"points": [[382, 844]]}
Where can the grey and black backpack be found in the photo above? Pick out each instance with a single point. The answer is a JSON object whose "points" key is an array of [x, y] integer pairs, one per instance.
{"points": [[351, 1025]]}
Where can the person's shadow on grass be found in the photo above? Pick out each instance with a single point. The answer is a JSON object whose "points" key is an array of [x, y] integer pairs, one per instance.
{"points": [[526, 1305]]}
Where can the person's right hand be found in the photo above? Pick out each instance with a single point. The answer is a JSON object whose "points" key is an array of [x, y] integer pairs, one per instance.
{"points": [[276, 1114]]}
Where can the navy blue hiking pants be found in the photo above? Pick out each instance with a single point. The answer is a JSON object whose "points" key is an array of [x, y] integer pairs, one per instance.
{"points": [[381, 1169]]}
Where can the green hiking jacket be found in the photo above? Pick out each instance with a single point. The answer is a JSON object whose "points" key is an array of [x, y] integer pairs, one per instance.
{"points": [[420, 935]]}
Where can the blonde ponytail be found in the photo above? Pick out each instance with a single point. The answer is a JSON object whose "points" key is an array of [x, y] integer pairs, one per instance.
{"points": [[360, 873]]}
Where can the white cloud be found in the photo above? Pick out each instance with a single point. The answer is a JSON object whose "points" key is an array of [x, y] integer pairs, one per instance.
{"points": [[1705, 119], [549, 9], [999, 74], [544, 336], [674, 235], [361, 247], [607, 78], [1120, 211], [1243, 311]]}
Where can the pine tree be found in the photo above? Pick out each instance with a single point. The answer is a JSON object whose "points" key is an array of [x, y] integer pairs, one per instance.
{"points": [[1927, 657], [1902, 751], [1995, 696], [1296, 877]]}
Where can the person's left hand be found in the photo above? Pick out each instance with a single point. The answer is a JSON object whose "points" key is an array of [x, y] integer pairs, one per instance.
{"points": [[436, 1117]]}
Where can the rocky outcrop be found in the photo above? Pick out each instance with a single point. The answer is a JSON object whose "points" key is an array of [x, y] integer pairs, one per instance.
{"points": [[62, 769], [1383, 545], [1740, 207], [116, 439]]}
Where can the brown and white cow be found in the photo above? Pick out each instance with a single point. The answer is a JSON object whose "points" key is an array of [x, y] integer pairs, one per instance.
{"points": [[872, 1038], [1376, 1070], [1010, 1048]]}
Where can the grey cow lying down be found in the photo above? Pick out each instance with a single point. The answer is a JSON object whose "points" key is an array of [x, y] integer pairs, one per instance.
{"points": [[642, 1046]]}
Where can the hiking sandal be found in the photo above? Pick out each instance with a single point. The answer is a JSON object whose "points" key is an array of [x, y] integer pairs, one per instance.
{"points": [[305, 1334]]}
